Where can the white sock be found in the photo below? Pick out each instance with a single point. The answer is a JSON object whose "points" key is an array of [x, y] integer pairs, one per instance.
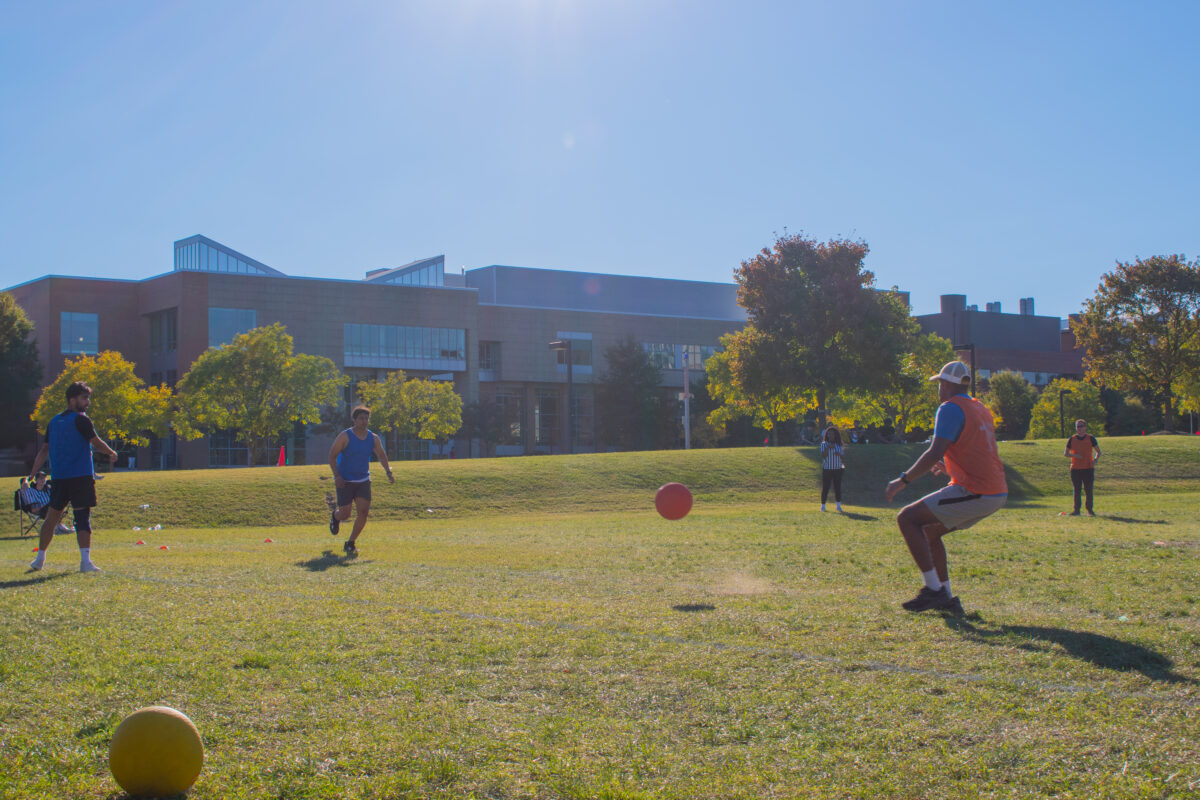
{"points": [[85, 555], [40, 557], [932, 580]]}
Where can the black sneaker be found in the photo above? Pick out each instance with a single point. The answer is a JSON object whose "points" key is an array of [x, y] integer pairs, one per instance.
{"points": [[335, 524], [1091, 513], [350, 549], [928, 598], [1074, 513]]}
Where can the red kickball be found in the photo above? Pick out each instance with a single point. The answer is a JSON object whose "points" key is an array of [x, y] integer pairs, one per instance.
{"points": [[268, 540], [164, 547], [673, 500]]}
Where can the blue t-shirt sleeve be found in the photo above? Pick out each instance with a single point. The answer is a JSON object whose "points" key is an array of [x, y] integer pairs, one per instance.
{"points": [[949, 422]]}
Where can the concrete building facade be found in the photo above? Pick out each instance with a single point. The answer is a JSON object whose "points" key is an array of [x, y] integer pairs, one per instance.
{"points": [[487, 330]]}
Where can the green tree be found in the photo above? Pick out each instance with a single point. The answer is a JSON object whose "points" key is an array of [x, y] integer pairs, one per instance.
{"points": [[20, 373], [123, 408], [816, 324], [489, 422], [766, 411], [1082, 403], [415, 407], [1012, 399], [629, 398], [1141, 330], [907, 399], [257, 387]]}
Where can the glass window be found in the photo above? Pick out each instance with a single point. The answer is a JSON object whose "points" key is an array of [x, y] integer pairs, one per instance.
{"points": [[226, 323], [489, 355], [79, 333], [546, 417], [661, 355], [510, 405]]}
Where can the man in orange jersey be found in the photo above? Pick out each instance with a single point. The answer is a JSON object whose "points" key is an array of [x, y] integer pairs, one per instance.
{"points": [[1084, 452], [964, 447]]}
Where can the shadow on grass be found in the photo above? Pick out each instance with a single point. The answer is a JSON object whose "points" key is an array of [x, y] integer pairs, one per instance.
{"points": [[1102, 651], [33, 579], [29, 537], [859, 517], [326, 560], [693, 607], [1133, 521]]}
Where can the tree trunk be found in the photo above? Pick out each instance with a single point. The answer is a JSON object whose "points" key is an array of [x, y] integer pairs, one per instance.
{"points": [[1169, 416], [821, 409]]}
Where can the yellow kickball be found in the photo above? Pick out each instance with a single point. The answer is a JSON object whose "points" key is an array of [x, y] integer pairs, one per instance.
{"points": [[156, 752]]}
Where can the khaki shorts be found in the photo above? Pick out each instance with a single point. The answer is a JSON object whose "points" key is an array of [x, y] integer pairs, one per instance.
{"points": [[957, 509]]}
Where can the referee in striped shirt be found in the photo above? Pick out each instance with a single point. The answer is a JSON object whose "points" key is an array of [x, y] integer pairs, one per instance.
{"points": [[832, 466]]}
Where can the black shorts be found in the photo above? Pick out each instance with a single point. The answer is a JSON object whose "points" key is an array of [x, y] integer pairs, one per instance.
{"points": [[79, 492], [347, 493]]}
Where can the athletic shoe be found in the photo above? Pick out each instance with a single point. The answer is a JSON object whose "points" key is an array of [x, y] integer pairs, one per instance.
{"points": [[350, 549], [822, 506], [926, 599], [89, 567], [839, 506], [335, 524], [61, 529], [37, 564], [1074, 513], [1091, 513]]}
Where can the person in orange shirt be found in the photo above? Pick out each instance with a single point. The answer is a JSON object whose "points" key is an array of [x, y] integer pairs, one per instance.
{"points": [[1083, 463], [963, 447]]}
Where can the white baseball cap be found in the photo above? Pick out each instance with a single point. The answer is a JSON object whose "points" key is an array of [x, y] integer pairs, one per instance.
{"points": [[955, 372]]}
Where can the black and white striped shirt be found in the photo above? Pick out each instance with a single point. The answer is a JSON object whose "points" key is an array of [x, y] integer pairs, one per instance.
{"points": [[831, 456]]}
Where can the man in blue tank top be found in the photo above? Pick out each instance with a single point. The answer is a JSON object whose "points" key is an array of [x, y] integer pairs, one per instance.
{"points": [[350, 460], [70, 437]]}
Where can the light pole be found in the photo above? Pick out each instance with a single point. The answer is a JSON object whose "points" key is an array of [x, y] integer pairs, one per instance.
{"points": [[565, 345], [1062, 428], [687, 405]]}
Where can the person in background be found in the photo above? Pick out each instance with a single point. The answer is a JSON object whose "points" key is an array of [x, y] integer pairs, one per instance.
{"points": [[1080, 448], [832, 466]]}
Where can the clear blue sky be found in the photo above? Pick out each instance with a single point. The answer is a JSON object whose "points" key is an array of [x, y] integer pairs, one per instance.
{"points": [[1000, 150]]}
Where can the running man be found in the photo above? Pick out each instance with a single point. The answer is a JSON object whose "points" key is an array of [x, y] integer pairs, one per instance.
{"points": [[350, 460], [70, 437], [964, 446], [1080, 449]]}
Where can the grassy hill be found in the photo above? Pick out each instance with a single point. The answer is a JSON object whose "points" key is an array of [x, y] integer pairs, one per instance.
{"points": [[610, 482]]}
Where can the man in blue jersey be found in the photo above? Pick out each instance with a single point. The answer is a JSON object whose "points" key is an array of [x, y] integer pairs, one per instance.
{"points": [[70, 437], [350, 460]]}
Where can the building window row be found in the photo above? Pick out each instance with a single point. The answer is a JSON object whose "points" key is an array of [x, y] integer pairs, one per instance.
{"points": [[431, 345], [224, 324], [199, 257], [670, 356], [79, 333], [432, 275]]}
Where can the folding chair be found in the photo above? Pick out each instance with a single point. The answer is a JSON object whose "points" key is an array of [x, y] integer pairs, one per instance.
{"points": [[28, 521]]}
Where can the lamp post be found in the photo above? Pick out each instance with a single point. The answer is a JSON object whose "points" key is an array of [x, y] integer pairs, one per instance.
{"points": [[559, 345], [970, 347], [1062, 428]]}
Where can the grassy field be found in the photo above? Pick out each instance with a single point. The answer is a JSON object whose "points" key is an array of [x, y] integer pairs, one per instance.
{"points": [[540, 633]]}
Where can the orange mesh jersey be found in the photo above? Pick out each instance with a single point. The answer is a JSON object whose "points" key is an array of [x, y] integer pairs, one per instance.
{"points": [[972, 460], [1082, 455]]}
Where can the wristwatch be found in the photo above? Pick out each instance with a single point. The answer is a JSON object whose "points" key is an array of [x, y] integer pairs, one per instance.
{"points": [[903, 478]]}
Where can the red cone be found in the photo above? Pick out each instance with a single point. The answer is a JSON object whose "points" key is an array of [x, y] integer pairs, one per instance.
{"points": [[282, 459]]}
